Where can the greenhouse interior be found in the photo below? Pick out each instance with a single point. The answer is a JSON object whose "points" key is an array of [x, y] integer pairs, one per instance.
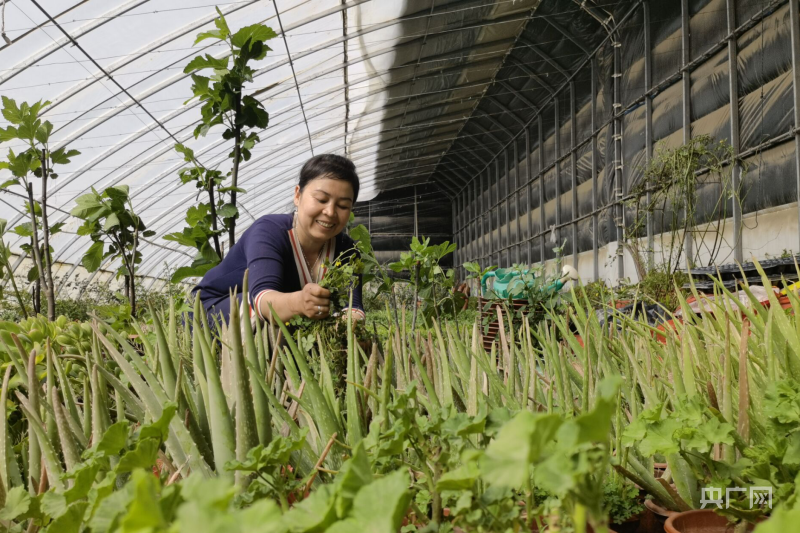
{"points": [[392, 266]]}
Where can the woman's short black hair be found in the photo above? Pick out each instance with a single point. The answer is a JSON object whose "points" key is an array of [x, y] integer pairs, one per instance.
{"points": [[330, 166]]}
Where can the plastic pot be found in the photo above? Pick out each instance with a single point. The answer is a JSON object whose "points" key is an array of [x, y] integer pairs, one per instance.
{"points": [[700, 521]]}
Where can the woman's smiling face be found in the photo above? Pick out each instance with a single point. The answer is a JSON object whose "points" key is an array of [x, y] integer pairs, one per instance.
{"points": [[323, 208]]}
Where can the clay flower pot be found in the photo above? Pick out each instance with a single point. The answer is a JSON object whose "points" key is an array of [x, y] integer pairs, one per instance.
{"points": [[700, 521]]}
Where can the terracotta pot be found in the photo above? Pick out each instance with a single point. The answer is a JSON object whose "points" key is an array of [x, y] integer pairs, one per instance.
{"points": [[658, 515], [700, 521], [631, 525]]}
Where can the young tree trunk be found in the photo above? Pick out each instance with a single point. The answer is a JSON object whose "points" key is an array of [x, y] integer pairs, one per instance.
{"points": [[37, 256], [48, 260], [16, 292], [37, 296], [237, 150], [214, 225], [131, 267]]}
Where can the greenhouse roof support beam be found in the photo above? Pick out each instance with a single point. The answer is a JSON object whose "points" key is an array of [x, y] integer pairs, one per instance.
{"points": [[599, 46], [549, 60], [733, 92], [530, 73], [572, 38], [105, 73], [296, 85], [795, 36], [519, 96], [509, 113]]}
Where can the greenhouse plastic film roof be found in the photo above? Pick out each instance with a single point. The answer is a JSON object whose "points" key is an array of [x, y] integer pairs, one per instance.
{"points": [[387, 83]]}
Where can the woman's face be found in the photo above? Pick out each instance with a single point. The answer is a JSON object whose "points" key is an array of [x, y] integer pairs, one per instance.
{"points": [[323, 207]]}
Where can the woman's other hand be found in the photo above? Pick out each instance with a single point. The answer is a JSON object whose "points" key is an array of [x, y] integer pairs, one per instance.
{"points": [[315, 301]]}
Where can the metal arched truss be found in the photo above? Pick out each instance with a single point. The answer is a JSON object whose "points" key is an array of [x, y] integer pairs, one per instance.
{"points": [[415, 72]]}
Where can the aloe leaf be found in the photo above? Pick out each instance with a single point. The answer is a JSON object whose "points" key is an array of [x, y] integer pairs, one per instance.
{"points": [[260, 402], [69, 447], [246, 429], [101, 420], [179, 443], [326, 381], [66, 390], [685, 480], [354, 433], [34, 449], [18, 358], [165, 363], [325, 418], [50, 422], [8, 460], [39, 434], [223, 440], [133, 403]]}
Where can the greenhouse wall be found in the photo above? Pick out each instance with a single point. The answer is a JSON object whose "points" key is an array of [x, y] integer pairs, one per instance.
{"points": [[667, 72]]}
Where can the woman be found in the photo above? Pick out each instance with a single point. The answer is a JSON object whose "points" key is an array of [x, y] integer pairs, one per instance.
{"points": [[285, 254]]}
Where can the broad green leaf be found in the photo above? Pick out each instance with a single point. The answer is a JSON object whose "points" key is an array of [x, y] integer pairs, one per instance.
{"points": [[378, 507], [209, 61], [190, 272], [314, 513], [227, 211], [144, 512], [354, 474], [11, 111], [255, 32], [62, 156], [18, 501], [93, 257], [518, 446], [43, 132], [462, 478], [24, 230], [660, 438], [113, 440], [783, 519], [112, 221], [71, 520]]}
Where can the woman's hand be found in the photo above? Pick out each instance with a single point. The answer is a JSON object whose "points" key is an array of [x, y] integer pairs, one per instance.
{"points": [[314, 301]]}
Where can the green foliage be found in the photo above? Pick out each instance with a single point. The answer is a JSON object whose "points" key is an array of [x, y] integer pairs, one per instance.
{"points": [[668, 192], [433, 286], [242, 116], [109, 216], [427, 422], [202, 232], [38, 160]]}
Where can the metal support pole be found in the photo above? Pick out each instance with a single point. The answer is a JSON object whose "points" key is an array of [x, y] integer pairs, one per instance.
{"points": [[736, 173], [499, 223], [648, 127], [793, 20], [574, 170], [485, 234], [490, 214], [507, 174], [557, 130], [595, 217], [542, 220], [473, 229], [369, 217], [528, 186], [619, 187], [516, 202], [687, 117], [416, 222]]}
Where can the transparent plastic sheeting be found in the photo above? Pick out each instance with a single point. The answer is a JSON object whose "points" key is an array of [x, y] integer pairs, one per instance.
{"points": [[363, 69], [764, 105]]}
